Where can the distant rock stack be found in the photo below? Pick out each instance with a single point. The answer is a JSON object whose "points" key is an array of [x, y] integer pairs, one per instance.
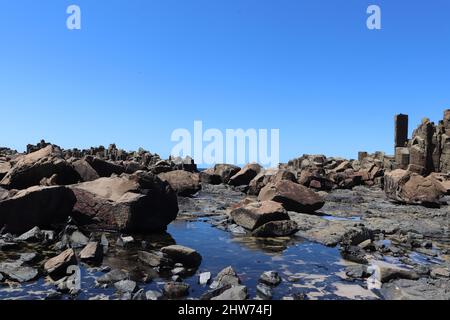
{"points": [[429, 148]]}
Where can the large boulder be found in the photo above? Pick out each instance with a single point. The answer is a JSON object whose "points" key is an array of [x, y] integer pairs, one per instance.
{"points": [[30, 169], [5, 166], [269, 176], [208, 176], [85, 170], [226, 171], [183, 182], [293, 196], [245, 175], [410, 188], [36, 206], [138, 202], [104, 168], [257, 214]]}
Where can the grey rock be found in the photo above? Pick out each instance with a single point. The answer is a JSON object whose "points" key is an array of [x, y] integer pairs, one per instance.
{"points": [[125, 286], [16, 272], [276, 229], [385, 272], [357, 272], [174, 290], [139, 295], [34, 235], [264, 291], [271, 278], [204, 278], [187, 256], [225, 277], [78, 240], [92, 252], [113, 276], [153, 295], [154, 259], [235, 293], [124, 241]]}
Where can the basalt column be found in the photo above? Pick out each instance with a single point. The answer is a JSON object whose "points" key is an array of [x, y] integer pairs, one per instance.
{"points": [[401, 141], [445, 143]]}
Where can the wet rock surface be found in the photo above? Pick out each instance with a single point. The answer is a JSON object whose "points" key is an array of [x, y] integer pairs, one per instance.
{"points": [[359, 245]]}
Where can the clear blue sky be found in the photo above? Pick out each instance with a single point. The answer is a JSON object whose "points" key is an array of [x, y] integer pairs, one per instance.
{"points": [[139, 69]]}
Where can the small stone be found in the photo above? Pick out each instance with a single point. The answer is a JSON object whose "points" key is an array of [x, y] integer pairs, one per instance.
{"points": [[178, 271], [139, 295], [16, 272], [78, 240], [105, 243], [34, 235], [125, 296], [384, 272], [236, 230], [264, 291], [113, 276], [125, 286], [367, 245], [187, 256], [177, 278], [153, 295], [225, 277], [124, 241], [92, 252], [154, 259], [440, 273], [283, 228], [174, 290], [204, 278], [49, 235], [271, 278], [57, 266], [99, 297], [422, 270], [357, 272], [235, 293], [7, 245], [27, 257]]}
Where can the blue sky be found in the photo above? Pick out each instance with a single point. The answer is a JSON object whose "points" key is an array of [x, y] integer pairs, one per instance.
{"points": [[139, 69]]}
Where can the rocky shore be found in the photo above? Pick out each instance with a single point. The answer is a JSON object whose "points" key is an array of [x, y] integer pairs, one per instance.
{"points": [[134, 225]]}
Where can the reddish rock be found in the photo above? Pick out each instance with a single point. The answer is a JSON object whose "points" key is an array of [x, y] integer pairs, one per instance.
{"points": [[225, 171], [30, 169], [245, 175], [138, 202], [293, 196], [36, 206], [183, 182], [57, 267], [256, 214], [411, 188]]}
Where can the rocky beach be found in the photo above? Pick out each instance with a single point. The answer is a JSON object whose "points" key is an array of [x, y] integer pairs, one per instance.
{"points": [[107, 224]]}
